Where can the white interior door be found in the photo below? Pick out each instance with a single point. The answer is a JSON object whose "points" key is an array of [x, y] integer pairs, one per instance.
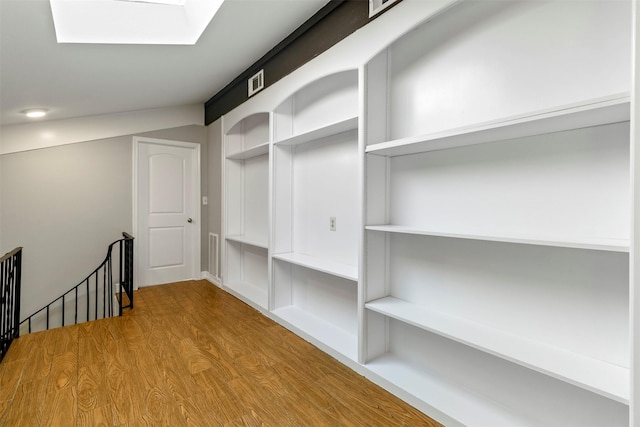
{"points": [[166, 210]]}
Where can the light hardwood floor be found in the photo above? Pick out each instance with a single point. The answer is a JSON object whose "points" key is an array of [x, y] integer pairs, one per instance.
{"points": [[188, 354]]}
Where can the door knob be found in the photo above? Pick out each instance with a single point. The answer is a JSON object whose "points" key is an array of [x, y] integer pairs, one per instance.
{"points": [[189, 220]]}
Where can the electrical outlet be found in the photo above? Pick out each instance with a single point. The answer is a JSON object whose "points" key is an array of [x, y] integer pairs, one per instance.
{"points": [[332, 223]]}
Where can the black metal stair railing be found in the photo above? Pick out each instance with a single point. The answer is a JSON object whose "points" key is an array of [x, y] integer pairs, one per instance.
{"points": [[92, 298], [10, 278]]}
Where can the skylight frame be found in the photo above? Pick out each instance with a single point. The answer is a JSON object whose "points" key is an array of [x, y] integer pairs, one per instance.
{"points": [[132, 21], [167, 2]]}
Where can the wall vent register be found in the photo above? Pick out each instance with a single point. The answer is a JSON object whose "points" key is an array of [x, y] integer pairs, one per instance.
{"points": [[256, 83]]}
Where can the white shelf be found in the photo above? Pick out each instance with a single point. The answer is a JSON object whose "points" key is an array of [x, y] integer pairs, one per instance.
{"points": [[322, 331], [449, 398], [345, 271], [256, 151], [597, 376], [248, 240], [322, 132], [600, 244], [249, 292], [611, 109]]}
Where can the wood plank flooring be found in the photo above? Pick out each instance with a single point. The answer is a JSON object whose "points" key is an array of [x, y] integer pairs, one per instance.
{"points": [[189, 354]]}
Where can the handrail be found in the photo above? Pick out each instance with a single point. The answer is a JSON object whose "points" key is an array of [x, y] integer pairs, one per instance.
{"points": [[10, 284], [10, 254], [94, 283]]}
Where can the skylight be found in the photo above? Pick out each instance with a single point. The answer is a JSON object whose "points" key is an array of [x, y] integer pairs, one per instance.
{"points": [[132, 21]]}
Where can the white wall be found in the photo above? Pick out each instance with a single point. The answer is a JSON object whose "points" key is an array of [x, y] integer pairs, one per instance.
{"points": [[1, 240]]}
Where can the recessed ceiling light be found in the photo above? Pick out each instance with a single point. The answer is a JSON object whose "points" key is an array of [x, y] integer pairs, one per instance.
{"points": [[35, 113], [167, 22]]}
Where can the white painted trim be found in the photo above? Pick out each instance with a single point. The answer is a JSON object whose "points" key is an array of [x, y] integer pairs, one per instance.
{"points": [[223, 196], [134, 209], [271, 304], [634, 255], [53, 133], [196, 199], [377, 6], [210, 278], [362, 205]]}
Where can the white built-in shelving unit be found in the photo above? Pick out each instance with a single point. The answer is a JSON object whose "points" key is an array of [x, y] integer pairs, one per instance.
{"points": [[289, 175], [498, 212], [316, 166], [452, 216], [246, 219]]}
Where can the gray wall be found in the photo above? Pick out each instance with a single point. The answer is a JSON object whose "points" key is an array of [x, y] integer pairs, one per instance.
{"points": [[65, 204], [1, 244]]}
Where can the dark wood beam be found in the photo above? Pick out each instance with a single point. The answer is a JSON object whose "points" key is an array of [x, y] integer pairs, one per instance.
{"points": [[335, 21]]}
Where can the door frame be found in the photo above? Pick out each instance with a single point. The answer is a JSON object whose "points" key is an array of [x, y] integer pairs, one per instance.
{"points": [[137, 140]]}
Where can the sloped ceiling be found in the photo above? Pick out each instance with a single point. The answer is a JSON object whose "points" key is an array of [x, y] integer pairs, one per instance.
{"points": [[74, 80]]}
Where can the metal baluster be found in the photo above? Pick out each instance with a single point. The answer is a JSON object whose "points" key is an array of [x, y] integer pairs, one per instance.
{"points": [[88, 303], [104, 292], [130, 271], [18, 293], [9, 297], [5, 295], [110, 289], [95, 316], [120, 281], [8, 300]]}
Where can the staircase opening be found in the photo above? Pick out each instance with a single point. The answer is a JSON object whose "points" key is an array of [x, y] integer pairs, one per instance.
{"points": [[105, 292]]}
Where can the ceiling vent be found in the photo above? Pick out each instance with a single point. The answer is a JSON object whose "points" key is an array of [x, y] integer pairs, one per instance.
{"points": [[256, 82]]}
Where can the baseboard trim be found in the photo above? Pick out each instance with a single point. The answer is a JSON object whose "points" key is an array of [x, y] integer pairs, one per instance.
{"points": [[211, 278]]}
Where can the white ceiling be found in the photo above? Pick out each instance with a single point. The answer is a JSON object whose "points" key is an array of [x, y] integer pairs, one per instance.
{"points": [[74, 80]]}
